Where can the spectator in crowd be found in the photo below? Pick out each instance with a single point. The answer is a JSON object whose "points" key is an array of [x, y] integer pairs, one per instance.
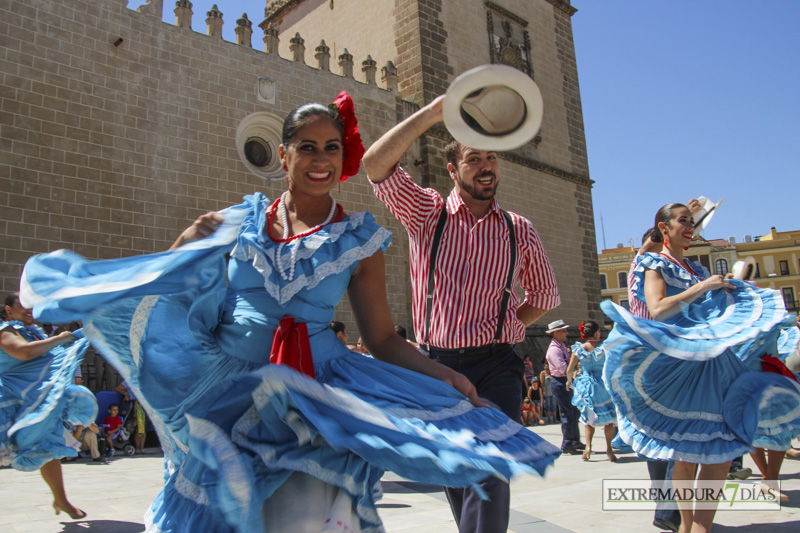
{"points": [[111, 425], [87, 436], [140, 418], [341, 332]]}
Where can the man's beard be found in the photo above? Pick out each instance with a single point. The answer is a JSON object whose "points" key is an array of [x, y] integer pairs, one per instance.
{"points": [[472, 190]]}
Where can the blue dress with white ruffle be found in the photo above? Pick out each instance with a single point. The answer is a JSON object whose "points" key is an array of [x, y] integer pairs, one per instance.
{"points": [[690, 388], [591, 396], [39, 402], [194, 344]]}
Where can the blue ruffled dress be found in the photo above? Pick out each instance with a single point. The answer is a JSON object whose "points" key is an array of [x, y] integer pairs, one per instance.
{"points": [[191, 334], [591, 396], [39, 402], [691, 388]]}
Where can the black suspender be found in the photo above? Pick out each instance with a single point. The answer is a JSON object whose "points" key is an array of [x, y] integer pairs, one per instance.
{"points": [[437, 237], [512, 237]]}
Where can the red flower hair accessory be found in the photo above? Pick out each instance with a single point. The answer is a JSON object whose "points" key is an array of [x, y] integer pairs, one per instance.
{"points": [[351, 139], [580, 328]]}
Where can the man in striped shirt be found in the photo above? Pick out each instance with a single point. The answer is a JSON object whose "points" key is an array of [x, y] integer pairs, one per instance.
{"points": [[460, 313]]}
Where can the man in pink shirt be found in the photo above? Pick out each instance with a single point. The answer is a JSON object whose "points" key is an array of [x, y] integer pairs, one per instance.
{"points": [[558, 356]]}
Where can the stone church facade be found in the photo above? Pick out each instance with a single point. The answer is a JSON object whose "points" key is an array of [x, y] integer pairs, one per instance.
{"points": [[118, 129]]}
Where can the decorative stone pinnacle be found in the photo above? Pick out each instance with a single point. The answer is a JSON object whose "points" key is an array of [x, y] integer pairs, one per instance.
{"points": [[244, 31], [323, 56], [183, 14], [297, 47], [389, 77], [369, 68], [346, 63], [214, 22], [271, 38]]}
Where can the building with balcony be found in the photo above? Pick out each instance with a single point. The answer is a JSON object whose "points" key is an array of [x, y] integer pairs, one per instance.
{"points": [[777, 257]]}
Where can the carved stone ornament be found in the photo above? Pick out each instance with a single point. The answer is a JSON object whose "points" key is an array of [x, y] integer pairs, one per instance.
{"points": [[266, 90]]}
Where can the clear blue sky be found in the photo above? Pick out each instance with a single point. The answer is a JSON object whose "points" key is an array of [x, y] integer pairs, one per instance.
{"points": [[680, 99]]}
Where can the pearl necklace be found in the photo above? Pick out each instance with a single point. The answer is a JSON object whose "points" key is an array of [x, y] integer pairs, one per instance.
{"points": [[293, 254]]}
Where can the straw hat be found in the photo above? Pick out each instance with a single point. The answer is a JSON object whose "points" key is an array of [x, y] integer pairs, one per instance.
{"points": [[555, 326], [493, 107]]}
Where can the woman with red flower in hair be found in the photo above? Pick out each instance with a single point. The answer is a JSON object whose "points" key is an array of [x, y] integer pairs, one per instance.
{"points": [[292, 434]]}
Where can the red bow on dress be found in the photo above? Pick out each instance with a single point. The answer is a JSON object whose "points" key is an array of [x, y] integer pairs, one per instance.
{"points": [[291, 347], [776, 366]]}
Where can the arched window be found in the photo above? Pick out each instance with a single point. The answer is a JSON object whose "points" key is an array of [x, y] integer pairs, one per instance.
{"points": [[603, 283], [721, 267], [622, 279]]}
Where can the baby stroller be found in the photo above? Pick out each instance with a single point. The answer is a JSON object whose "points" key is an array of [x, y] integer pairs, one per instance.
{"points": [[122, 438]]}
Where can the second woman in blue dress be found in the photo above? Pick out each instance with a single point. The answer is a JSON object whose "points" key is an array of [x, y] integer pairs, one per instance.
{"points": [[590, 395], [684, 384]]}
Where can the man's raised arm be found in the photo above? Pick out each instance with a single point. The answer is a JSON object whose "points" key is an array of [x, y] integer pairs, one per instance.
{"points": [[382, 157]]}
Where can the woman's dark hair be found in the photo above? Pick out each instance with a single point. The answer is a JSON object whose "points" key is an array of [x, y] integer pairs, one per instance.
{"points": [[300, 115], [337, 327], [654, 235], [588, 329], [401, 331], [10, 300], [664, 215]]}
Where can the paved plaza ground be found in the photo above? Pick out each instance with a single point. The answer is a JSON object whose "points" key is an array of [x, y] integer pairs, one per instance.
{"points": [[115, 496]]}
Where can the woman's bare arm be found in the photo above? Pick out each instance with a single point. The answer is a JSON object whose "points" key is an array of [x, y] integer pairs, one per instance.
{"points": [[662, 307], [17, 347], [367, 292]]}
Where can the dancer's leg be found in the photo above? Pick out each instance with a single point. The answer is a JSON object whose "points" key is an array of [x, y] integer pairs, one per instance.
{"points": [[717, 473], [760, 460], [51, 472], [589, 430], [683, 475], [610, 432]]}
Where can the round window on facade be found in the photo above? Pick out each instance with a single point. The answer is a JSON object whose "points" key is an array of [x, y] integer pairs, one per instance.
{"points": [[257, 152], [257, 137]]}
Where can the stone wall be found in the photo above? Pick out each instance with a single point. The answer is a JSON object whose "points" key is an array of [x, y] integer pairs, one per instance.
{"points": [[111, 150]]}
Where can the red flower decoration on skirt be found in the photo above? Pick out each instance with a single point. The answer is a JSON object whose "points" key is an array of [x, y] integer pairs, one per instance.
{"points": [[776, 366], [351, 139]]}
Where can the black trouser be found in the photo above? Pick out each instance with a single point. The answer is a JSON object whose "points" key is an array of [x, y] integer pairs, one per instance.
{"points": [[498, 374], [570, 432], [662, 470]]}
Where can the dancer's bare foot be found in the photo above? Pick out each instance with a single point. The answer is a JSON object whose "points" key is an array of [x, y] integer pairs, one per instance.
{"points": [[587, 453], [611, 457]]}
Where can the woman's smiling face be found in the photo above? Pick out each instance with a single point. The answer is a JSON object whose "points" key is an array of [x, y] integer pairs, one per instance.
{"points": [[19, 313], [680, 229], [314, 157]]}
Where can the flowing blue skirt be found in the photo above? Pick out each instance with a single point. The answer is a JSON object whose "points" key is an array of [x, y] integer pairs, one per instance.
{"points": [[234, 428], [692, 389], [593, 400], [39, 404]]}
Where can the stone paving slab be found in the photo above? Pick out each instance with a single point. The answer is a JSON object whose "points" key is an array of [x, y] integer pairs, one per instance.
{"points": [[116, 496]]}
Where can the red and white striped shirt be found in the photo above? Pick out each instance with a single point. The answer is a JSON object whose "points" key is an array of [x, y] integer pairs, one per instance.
{"points": [[471, 266], [637, 307]]}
